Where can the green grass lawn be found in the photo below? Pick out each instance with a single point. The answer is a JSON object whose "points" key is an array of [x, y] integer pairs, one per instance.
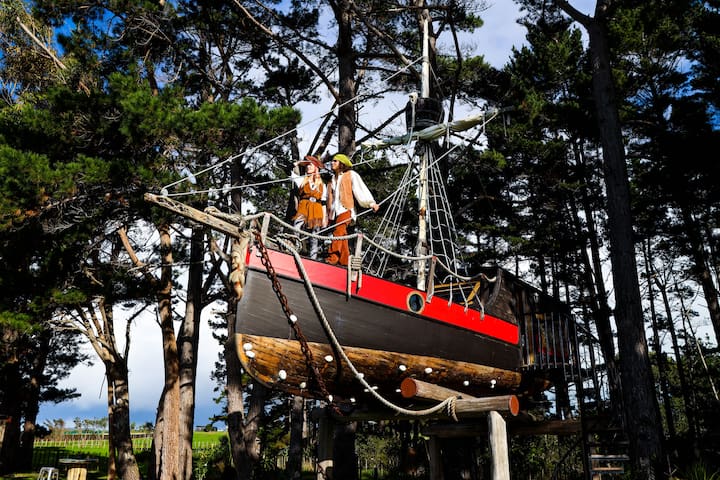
{"points": [[49, 455]]}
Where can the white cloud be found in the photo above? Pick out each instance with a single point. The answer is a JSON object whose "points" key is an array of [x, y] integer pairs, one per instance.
{"points": [[146, 378]]}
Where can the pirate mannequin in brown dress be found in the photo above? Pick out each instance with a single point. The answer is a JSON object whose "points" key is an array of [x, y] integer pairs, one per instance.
{"points": [[311, 214]]}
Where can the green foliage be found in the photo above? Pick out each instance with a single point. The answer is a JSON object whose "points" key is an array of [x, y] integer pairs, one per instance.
{"points": [[213, 463], [699, 471], [19, 322], [541, 454], [377, 450]]}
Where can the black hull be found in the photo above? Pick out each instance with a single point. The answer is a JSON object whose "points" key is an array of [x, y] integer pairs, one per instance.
{"points": [[359, 323]]}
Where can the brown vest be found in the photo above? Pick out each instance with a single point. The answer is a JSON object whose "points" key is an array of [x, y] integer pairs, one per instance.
{"points": [[346, 193]]}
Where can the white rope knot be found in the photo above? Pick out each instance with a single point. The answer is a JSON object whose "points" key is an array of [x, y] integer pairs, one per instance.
{"points": [[451, 404], [356, 262]]}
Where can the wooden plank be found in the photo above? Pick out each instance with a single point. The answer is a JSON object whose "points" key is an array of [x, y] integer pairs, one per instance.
{"points": [[519, 428], [603, 457], [607, 470], [194, 214]]}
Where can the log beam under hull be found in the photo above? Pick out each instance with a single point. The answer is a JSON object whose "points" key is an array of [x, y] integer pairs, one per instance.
{"points": [[281, 364]]}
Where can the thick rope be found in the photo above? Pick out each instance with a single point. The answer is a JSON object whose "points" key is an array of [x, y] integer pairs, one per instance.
{"points": [[447, 404]]}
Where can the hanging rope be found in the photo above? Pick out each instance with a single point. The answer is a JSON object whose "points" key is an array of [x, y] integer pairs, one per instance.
{"points": [[447, 404], [250, 151], [292, 321]]}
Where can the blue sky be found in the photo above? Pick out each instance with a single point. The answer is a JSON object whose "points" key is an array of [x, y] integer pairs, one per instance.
{"points": [[146, 378]]}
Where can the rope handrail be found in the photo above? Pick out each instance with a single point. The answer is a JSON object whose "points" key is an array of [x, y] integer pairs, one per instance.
{"points": [[380, 247]]}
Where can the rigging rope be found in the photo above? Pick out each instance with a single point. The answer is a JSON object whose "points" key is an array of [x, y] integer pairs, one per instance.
{"points": [[251, 151]]}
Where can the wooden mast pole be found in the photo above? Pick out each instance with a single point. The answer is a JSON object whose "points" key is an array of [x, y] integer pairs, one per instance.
{"points": [[421, 248]]}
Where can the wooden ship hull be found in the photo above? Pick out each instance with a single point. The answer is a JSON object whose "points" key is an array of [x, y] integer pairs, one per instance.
{"points": [[370, 333]]}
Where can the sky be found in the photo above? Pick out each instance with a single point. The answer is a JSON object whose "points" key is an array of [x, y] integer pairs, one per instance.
{"points": [[146, 378], [494, 40]]}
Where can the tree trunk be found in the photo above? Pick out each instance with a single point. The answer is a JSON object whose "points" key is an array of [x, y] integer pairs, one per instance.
{"points": [[642, 417], [119, 417], [346, 77], [235, 406], [251, 448], [10, 401], [112, 457], [642, 414], [683, 375], [700, 269], [295, 449], [11, 439], [344, 444], [345, 462], [599, 304], [657, 346], [32, 401], [165, 437], [188, 341]]}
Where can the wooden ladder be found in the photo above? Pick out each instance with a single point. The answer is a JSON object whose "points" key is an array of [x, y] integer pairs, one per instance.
{"points": [[606, 464], [605, 444]]}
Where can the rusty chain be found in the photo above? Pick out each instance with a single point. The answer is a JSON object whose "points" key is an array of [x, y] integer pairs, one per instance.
{"points": [[304, 347]]}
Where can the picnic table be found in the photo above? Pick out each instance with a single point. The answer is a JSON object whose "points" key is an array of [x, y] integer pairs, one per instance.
{"points": [[77, 467]]}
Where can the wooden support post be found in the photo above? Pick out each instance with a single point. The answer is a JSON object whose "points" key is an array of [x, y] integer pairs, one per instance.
{"points": [[435, 460], [265, 226], [498, 447], [326, 430]]}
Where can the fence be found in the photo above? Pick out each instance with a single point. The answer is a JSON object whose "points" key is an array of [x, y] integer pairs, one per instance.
{"points": [[47, 453], [139, 444]]}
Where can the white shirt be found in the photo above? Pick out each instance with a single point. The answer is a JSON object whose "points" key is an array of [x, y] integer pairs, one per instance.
{"points": [[361, 192]]}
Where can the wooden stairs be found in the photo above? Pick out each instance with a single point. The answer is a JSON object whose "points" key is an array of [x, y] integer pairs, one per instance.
{"points": [[605, 444], [602, 464]]}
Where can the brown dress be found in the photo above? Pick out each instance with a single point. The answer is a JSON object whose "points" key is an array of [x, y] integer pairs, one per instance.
{"points": [[310, 207]]}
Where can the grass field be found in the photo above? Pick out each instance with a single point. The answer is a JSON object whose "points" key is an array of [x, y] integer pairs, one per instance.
{"points": [[47, 453]]}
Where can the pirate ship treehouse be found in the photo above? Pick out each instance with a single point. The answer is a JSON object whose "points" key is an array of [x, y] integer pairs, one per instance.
{"points": [[355, 334]]}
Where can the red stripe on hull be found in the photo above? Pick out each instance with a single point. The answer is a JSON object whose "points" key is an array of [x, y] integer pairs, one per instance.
{"points": [[390, 294]]}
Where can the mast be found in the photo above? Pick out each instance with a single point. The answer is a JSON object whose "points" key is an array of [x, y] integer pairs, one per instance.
{"points": [[421, 248]]}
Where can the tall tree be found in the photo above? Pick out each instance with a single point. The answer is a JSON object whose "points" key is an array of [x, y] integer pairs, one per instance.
{"points": [[39, 248], [366, 39], [642, 418]]}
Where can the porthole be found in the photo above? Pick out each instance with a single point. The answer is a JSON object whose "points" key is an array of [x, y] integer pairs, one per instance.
{"points": [[415, 302]]}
